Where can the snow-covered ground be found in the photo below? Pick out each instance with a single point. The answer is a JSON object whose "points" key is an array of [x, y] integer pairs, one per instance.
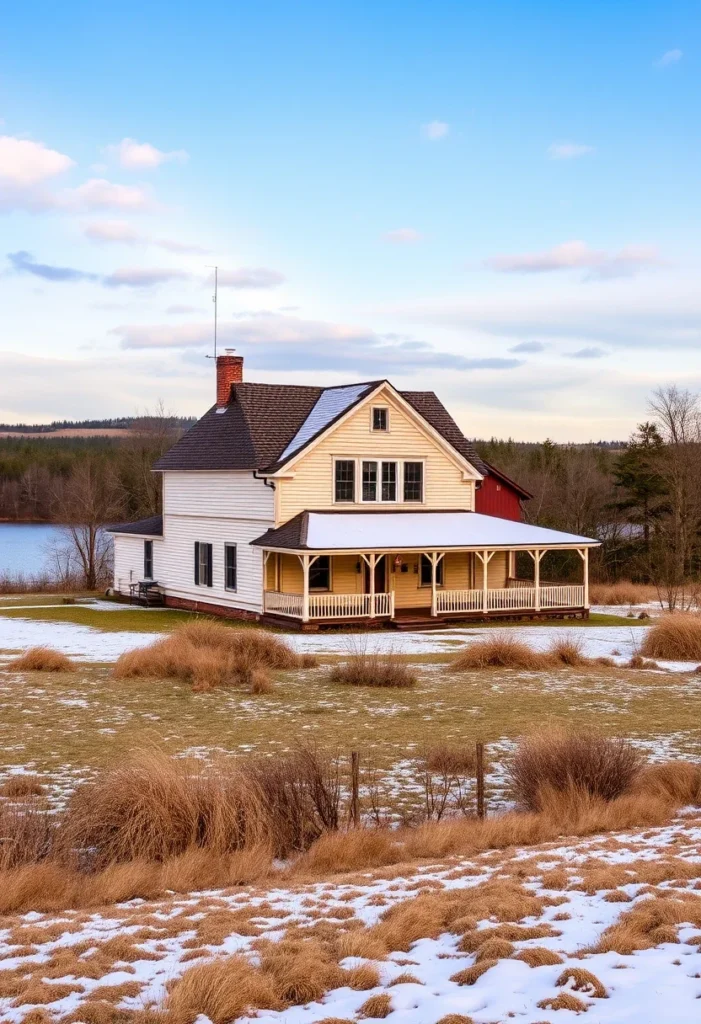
{"points": [[88, 644], [579, 903]]}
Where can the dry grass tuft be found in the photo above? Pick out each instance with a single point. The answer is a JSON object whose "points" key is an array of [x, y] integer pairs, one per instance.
{"points": [[470, 975], [373, 668], [450, 760], [19, 786], [208, 654], [649, 923], [539, 956], [499, 652], [42, 659], [580, 980], [362, 978], [405, 979], [568, 650], [675, 637], [564, 1001], [677, 781], [221, 990], [495, 949], [27, 837], [376, 1007], [562, 760], [455, 1018]]}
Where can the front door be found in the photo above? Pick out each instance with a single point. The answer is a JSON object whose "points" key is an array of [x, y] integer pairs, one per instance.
{"points": [[380, 575]]}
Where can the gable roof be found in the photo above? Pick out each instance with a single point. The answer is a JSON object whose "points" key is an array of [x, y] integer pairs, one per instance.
{"points": [[265, 425], [151, 527]]}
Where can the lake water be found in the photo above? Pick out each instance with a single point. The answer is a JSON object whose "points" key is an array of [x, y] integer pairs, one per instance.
{"points": [[24, 547]]}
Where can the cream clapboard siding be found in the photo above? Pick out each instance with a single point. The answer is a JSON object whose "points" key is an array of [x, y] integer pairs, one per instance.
{"points": [[312, 486], [214, 508]]}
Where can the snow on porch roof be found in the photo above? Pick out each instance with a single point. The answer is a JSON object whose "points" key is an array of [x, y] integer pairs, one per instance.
{"points": [[395, 531]]}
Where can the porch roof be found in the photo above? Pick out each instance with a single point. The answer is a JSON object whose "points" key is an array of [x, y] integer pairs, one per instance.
{"points": [[399, 531]]}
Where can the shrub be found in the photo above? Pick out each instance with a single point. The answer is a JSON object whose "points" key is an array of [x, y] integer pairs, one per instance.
{"points": [[678, 781], [209, 654], [447, 760], [562, 760], [363, 668], [26, 837], [42, 659], [675, 638], [499, 651]]}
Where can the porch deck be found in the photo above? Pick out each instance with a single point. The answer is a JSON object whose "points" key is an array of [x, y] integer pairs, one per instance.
{"points": [[497, 603]]}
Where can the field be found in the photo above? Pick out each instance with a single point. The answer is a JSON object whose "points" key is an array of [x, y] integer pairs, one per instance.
{"points": [[514, 930]]}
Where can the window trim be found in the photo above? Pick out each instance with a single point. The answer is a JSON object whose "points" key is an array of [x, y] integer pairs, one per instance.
{"points": [[209, 563], [373, 428], [354, 461], [231, 546], [148, 559], [363, 499], [322, 590], [422, 500]]}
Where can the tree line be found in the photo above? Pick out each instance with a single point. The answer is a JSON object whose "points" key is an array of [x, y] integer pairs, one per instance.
{"points": [[641, 498]]}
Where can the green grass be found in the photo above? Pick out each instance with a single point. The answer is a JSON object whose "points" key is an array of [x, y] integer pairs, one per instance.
{"points": [[67, 726], [157, 620]]}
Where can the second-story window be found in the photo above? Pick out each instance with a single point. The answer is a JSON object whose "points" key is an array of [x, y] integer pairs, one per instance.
{"points": [[369, 481], [344, 480], [389, 481], [380, 418], [413, 481]]}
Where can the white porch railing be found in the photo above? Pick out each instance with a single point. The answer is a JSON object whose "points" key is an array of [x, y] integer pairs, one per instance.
{"points": [[350, 606], [330, 606], [283, 604]]}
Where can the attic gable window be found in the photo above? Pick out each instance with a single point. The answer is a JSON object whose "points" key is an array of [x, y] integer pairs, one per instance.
{"points": [[380, 418]]}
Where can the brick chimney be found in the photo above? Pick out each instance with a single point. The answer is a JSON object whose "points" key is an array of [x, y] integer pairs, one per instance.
{"points": [[229, 371]]}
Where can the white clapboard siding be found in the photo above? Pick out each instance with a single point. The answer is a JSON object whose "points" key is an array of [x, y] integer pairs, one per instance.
{"points": [[213, 508], [224, 495]]}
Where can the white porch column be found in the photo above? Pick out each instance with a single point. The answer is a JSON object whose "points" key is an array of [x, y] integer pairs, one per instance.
{"points": [[511, 570], [485, 587], [584, 555], [305, 560], [536, 556], [266, 556], [435, 560], [372, 562]]}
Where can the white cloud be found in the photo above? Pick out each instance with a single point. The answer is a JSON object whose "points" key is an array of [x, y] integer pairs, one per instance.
{"points": [[568, 150], [144, 277], [100, 194], [121, 232], [250, 277], [435, 130], [139, 156], [528, 346], [669, 57], [285, 343], [403, 236], [24, 163], [112, 231], [588, 352], [578, 255]]}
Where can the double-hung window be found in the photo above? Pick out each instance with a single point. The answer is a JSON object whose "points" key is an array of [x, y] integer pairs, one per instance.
{"points": [[230, 566], [380, 418], [203, 564], [344, 480], [413, 481], [379, 481], [320, 573], [148, 559]]}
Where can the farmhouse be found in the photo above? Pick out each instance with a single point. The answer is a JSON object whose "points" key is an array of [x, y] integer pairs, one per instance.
{"points": [[309, 505]]}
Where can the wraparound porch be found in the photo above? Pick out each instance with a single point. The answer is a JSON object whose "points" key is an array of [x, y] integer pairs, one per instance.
{"points": [[428, 585]]}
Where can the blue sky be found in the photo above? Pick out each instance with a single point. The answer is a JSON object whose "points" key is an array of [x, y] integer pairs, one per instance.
{"points": [[499, 201]]}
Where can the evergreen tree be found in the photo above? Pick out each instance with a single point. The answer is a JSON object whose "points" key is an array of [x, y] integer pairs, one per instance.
{"points": [[638, 478]]}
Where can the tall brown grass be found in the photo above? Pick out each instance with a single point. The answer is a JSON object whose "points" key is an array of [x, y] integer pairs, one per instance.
{"points": [[499, 651], [209, 654], [622, 593], [373, 668], [675, 637], [42, 659], [563, 760]]}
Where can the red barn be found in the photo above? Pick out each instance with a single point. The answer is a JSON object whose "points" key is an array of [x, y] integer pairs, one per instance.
{"points": [[500, 496]]}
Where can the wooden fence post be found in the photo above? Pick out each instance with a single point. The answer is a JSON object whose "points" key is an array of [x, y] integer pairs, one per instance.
{"points": [[479, 759], [355, 789]]}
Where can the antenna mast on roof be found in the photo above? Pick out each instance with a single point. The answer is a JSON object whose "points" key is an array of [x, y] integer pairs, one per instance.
{"points": [[214, 300]]}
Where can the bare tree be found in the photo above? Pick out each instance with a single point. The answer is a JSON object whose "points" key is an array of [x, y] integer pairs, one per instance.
{"points": [[90, 499], [153, 435]]}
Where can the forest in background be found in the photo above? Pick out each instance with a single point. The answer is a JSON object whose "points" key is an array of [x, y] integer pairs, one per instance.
{"points": [[641, 497]]}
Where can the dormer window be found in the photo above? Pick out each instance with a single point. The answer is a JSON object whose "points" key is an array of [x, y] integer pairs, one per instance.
{"points": [[380, 418]]}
